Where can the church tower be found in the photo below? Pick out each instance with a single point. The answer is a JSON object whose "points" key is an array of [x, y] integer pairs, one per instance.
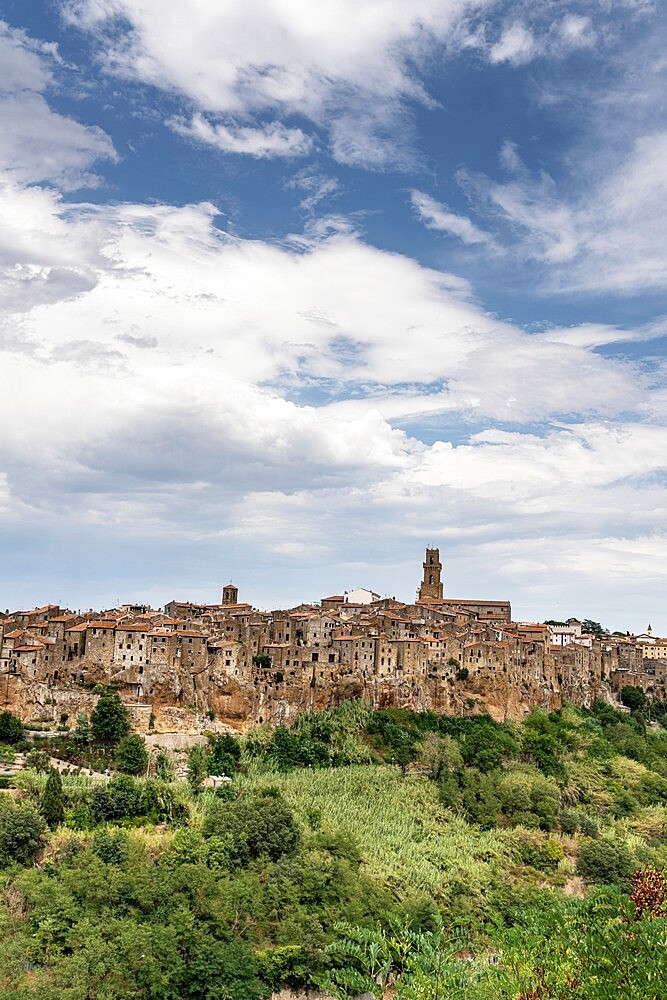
{"points": [[230, 594], [431, 586]]}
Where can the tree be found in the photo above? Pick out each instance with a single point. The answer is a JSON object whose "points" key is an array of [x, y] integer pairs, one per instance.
{"points": [[197, 767], [109, 720], [589, 627], [224, 753], [82, 733], [131, 756], [261, 826], [633, 697], [164, 766], [120, 799], [11, 728], [51, 806]]}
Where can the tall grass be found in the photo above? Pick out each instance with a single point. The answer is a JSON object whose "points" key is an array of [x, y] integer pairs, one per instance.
{"points": [[407, 840]]}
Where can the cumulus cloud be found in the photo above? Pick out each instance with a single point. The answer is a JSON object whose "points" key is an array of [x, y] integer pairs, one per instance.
{"points": [[343, 63], [170, 398], [36, 143]]}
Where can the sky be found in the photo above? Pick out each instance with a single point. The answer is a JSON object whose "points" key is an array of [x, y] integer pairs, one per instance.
{"points": [[291, 290]]}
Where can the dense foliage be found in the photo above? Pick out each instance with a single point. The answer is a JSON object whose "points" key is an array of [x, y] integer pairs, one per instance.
{"points": [[446, 856]]}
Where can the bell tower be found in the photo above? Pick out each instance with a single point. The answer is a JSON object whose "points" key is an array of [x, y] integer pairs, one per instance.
{"points": [[431, 586], [230, 594]]}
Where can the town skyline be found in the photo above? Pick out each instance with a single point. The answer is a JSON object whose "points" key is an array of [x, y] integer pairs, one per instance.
{"points": [[280, 304]]}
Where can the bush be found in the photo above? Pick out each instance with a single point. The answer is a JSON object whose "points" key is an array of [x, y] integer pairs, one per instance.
{"points": [[11, 728], [38, 760], [164, 766], [131, 756], [604, 861]]}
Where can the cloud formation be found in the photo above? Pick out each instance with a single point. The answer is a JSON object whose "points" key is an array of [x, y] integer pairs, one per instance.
{"points": [[313, 393], [36, 143]]}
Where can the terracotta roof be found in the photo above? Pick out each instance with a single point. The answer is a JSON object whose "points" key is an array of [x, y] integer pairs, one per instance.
{"points": [[27, 649]]}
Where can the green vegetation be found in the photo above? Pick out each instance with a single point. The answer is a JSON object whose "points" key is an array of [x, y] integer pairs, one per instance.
{"points": [[52, 800], [109, 721], [355, 850], [11, 728], [131, 756]]}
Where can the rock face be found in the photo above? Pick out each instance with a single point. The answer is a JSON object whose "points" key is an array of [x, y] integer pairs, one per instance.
{"points": [[212, 668]]}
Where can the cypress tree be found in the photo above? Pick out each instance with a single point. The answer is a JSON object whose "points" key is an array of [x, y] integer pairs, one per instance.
{"points": [[52, 800]]}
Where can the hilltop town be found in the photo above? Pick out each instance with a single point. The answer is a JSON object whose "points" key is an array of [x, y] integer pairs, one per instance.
{"points": [[190, 667]]}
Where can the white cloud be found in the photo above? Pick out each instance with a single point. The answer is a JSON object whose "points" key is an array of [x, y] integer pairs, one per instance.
{"points": [[437, 216], [576, 30], [169, 400], [348, 64], [36, 143], [272, 140], [516, 45], [611, 236], [317, 187]]}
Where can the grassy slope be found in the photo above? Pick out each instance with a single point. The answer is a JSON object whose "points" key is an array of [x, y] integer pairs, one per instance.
{"points": [[407, 841]]}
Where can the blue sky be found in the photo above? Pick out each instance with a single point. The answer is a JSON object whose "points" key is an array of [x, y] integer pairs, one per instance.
{"points": [[289, 290]]}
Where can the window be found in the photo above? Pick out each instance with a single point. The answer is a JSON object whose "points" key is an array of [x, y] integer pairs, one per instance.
{"points": [[332, 658], [315, 657]]}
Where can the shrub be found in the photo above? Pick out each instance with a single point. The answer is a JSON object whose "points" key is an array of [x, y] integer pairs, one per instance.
{"points": [[38, 760], [11, 728], [551, 853], [604, 861], [164, 766]]}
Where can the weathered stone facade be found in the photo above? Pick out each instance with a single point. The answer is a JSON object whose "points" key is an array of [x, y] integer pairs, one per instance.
{"points": [[195, 667]]}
